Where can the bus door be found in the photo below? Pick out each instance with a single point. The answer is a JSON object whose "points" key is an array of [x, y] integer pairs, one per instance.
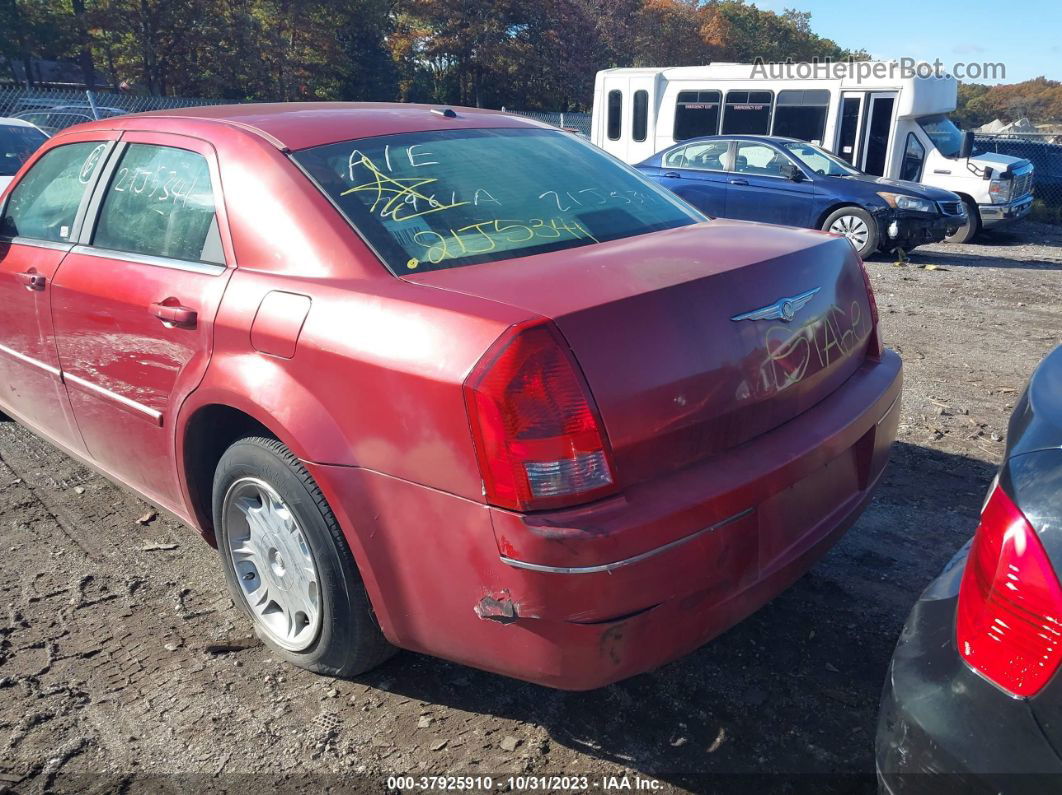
{"points": [[641, 98], [850, 127], [879, 127]]}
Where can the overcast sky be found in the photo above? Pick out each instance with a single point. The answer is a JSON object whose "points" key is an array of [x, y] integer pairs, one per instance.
{"points": [[1024, 35]]}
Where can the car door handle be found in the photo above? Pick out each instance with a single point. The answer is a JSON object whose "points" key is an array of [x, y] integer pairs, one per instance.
{"points": [[738, 181], [32, 281], [672, 175], [175, 315]]}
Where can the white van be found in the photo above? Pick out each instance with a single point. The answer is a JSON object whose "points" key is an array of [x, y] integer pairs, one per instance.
{"points": [[879, 119]]}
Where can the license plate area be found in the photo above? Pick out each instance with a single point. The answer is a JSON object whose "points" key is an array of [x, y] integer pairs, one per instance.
{"points": [[788, 517]]}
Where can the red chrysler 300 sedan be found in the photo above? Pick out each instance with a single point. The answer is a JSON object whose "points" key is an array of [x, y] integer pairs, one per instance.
{"points": [[451, 381]]}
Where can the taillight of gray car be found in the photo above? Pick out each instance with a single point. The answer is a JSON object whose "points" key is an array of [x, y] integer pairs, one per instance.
{"points": [[973, 698]]}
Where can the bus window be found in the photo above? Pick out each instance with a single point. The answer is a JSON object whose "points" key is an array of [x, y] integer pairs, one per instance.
{"points": [[615, 114], [747, 113], [641, 115], [802, 114], [696, 114]]}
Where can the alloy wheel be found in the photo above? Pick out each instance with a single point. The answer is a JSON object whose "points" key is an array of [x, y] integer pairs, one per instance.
{"points": [[854, 228]]}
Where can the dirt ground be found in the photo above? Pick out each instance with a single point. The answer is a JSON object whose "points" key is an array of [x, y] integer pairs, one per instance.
{"points": [[124, 665]]}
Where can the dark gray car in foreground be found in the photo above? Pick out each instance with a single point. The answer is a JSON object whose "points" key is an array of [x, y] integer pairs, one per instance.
{"points": [[973, 698]]}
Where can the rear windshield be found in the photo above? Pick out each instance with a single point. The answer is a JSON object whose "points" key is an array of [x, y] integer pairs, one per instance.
{"points": [[432, 200], [17, 143]]}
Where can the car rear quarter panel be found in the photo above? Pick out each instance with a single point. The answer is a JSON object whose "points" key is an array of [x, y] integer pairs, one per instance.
{"points": [[375, 379]]}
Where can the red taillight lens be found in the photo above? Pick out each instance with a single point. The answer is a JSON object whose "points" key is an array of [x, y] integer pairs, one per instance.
{"points": [[538, 437], [1009, 623]]}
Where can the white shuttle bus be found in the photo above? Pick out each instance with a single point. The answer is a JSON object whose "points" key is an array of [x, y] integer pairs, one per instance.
{"points": [[887, 123]]}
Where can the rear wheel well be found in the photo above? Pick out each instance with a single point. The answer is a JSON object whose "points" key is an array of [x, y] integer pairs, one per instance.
{"points": [[209, 433]]}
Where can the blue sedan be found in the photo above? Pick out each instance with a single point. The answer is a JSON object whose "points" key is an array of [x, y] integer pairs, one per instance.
{"points": [[795, 183]]}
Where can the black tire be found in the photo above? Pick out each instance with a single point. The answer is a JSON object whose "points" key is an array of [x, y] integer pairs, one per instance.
{"points": [[349, 641], [964, 234], [870, 245]]}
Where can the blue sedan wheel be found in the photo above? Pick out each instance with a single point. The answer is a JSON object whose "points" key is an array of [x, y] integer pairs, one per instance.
{"points": [[857, 225]]}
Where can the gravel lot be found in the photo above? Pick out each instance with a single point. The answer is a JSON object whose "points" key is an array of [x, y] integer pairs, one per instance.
{"points": [[123, 663]]}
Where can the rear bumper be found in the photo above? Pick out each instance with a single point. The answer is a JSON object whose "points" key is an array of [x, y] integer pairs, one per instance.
{"points": [[582, 598], [942, 728], [992, 214]]}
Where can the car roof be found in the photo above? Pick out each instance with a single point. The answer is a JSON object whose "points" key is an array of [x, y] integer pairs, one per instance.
{"points": [[299, 125], [771, 139], [13, 122]]}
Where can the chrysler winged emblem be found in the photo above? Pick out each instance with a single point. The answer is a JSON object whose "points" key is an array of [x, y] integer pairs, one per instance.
{"points": [[782, 309]]}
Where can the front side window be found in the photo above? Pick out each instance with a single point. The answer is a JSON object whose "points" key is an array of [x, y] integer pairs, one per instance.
{"points": [[641, 116], [160, 203], [17, 143], [696, 114], [44, 203], [443, 199], [802, 114], [759, 160], [747, 113], [615, 114], [946, 137], [914, 155]]}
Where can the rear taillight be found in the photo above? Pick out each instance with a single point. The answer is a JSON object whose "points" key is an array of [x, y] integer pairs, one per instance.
{"points": [[870, 291], [538, 436], [875, 347], [1009, 622]]}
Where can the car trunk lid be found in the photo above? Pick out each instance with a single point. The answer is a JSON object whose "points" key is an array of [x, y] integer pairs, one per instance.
{"points": [[697, 339]]}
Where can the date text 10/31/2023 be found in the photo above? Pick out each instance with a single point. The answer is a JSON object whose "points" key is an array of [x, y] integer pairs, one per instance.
{"points": [[526, 783]]}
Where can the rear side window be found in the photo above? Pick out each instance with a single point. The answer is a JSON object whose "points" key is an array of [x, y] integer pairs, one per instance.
{"points": [[615, 114], [160, 203], [641, 115], [676, 158], [708, 156], [914, 155], [44, 203], [696, 114], [802, 114], [747, 113], [443, 199]]}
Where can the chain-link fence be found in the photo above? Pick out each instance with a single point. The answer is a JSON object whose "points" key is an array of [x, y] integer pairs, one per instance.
{"points": [[573, 122], [1043, 151], [53, 110]]}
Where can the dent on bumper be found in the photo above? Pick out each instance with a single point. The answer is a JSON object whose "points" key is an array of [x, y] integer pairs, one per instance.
{"points": [[906, 229], [456, 579]]}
